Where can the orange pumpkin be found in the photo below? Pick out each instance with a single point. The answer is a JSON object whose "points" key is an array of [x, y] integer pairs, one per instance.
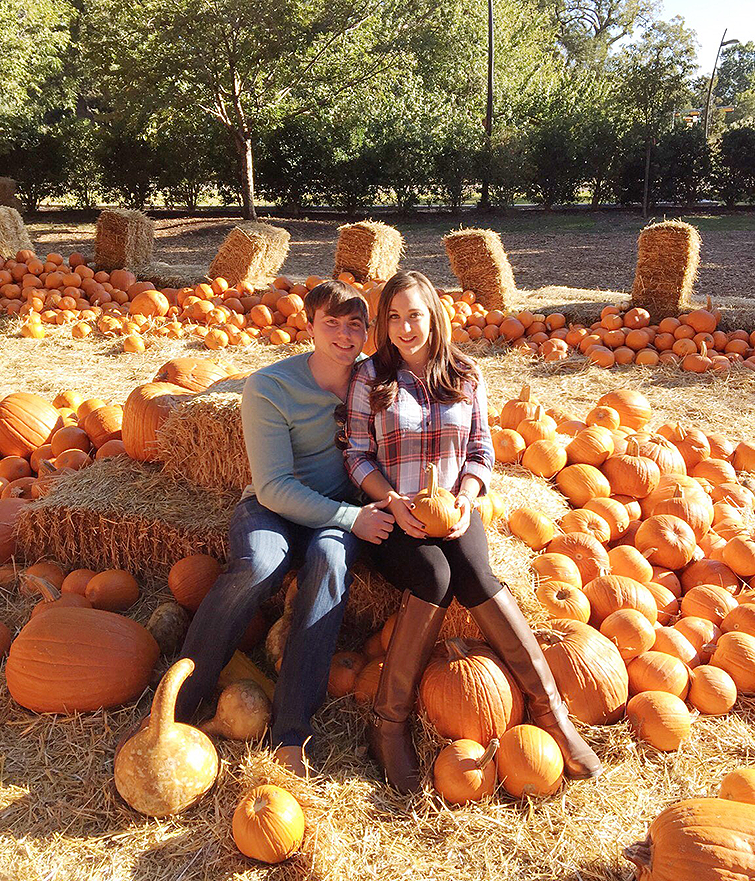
{"points": [[464, 771], [659, 718], [114, 590], [191, 578], [268, 824], [529, 762], [26, 422]]}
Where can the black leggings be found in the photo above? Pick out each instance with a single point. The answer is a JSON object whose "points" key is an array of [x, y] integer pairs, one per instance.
{"points": [[435, 570]]}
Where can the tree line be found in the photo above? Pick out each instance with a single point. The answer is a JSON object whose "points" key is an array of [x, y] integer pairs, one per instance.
{"points": [[331, 102]]}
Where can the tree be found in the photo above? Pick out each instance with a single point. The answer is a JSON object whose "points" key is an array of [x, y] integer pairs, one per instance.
{"points": [[37, 162], [654, 74], [735, 73], [735, 165], [684, 163], [250, 66]]}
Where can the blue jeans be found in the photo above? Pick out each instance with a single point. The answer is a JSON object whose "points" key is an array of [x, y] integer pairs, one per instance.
{"points": [[263, 546]]}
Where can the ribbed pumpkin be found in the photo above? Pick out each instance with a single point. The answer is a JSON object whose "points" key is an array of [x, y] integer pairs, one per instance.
{"points": [[562, 600], [691, 443], [26, 422], [532, 527], [344, 669], [464, 771], [659, 718], [672, 642], [580, 483], [630, 631], [716, 471], [742, 618], [627, 560], [586, 551], [544, 458], [113, 589], [588, 670], [194, 374], [10, 509], [735, 653], [145, 410], [668, 541], [631, 474], [268, 824], [668, 579], [657, 671], [666, 601], [556, 567], [529, 762], [469, 694], [739, 556], [508, 445], [707, 571], [591, 446], [582, 520], [77, 660], [739, 785], [517, 409], [711, 690], [632, 406], [708, 601], [701, 632], [609, 593], [698, 516], [665, 455], [709, 839], [104, 424], [435, 506], [537, 427], [368, 680], [613, 512], [191, 578], [667, 489]]}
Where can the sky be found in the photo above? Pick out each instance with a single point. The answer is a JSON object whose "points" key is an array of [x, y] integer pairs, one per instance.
{"points": [[709, 19]]}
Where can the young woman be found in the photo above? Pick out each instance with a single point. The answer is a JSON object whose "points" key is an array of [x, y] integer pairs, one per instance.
{"points": [[419, 400]]}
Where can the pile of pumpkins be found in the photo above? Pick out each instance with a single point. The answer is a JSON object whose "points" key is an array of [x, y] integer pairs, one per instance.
{"points": [[648, 579], [48, 290]]}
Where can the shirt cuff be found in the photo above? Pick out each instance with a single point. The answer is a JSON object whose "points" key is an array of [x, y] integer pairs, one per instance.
{"points": [[345, 517], [362, 470], [481, 472]]}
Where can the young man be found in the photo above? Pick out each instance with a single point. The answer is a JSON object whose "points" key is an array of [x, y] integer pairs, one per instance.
{"points": [[300, 506]]}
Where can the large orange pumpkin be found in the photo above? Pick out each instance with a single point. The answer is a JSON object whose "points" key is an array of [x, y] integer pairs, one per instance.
{"points": [[145, 410], [26, 422], [9, 513], [194, 374], [77, 660], [588, 670], [191, 578], [469, 694]]}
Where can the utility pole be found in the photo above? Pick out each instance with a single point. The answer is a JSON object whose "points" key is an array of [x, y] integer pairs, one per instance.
{"points": [[485, 193], [724, 42]]}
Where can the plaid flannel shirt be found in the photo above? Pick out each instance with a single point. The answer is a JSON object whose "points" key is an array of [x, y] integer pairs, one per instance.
{"points": [[413, 431]]}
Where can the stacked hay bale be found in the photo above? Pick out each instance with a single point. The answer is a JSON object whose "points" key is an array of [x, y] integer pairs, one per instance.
{"points": [[172, 275], [251, 252], [8, 195], [121, 514], [13, 234], [668, 257], [479, 261], [368, 250], [124, 239]]}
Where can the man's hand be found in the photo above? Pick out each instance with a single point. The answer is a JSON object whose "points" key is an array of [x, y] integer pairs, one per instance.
{"points": [[463, 502], [373, 524], [401, 508]]}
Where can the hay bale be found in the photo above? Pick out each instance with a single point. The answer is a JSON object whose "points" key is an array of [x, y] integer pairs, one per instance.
{"points": [[202, 440], [8, 195], [172, 275], [124, 239], [480, 263], [668, 256], [118, 513], [368, 249], [13, 234], [251, 252]]}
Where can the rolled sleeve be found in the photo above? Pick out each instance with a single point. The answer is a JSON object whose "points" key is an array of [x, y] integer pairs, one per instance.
{"points": [[480, 454], [360, 454]]}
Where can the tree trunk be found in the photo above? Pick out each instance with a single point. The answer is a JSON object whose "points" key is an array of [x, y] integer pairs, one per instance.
{"points": [[646, 187], [246, 161]]}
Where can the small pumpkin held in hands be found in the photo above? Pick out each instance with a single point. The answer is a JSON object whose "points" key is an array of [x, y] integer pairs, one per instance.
{"points": [[436, 507]]}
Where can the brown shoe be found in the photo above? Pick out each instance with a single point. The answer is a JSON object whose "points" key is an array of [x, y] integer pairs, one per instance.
{"points": [[389, 736], [292, 758], [509, 635]]}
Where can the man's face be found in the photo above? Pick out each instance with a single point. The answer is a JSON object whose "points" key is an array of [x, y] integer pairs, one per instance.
{"points": [[339, 337]]}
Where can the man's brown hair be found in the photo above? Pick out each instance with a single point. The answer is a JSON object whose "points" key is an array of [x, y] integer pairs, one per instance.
{"points": [[335, 298]]}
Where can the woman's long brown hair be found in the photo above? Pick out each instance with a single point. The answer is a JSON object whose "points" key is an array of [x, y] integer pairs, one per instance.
{"points": [[447, 367]]}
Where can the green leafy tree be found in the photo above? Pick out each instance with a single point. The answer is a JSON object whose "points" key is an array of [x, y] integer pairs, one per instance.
{"points": [[734, 174], [654, 73], [684, 162], [735, 73], [37, 161], [130, 163]]}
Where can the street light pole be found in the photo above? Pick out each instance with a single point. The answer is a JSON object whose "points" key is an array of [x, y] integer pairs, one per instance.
{"points": [[724, 42]]}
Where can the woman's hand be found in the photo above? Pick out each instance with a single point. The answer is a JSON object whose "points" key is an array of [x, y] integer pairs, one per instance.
{"points": [[465, 503], [401, 508]]}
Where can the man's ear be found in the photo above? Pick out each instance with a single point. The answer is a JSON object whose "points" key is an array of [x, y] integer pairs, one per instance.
{"points": [[310, 328]]}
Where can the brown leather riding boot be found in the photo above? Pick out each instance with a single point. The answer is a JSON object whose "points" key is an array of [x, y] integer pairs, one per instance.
{"points": [[509, 635], [389, 735]]}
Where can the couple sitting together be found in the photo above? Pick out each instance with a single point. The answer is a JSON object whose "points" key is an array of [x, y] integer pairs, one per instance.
{"points": [[338, 447]]}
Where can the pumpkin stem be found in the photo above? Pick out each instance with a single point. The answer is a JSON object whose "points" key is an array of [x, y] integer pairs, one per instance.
{"points": [[46, 467], [42, 586], [703, 350], [457, 648], [432, 479], [549, 637], [639, 854], [633, 447], [164, 702], [524, 395], [486, 758]]}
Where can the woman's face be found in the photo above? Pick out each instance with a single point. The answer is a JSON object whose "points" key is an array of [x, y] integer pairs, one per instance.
{"points": [[409, 325]]}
